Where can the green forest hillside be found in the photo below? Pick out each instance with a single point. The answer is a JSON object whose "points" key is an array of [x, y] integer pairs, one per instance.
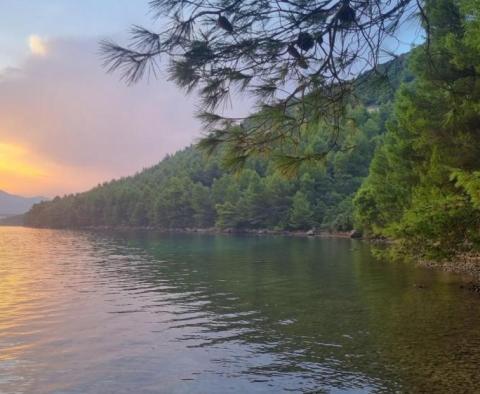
{"points": [[191, 190], [423, 188]]}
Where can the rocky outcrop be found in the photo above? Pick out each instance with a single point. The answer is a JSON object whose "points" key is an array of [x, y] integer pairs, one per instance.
{"points": [[356, 234]]}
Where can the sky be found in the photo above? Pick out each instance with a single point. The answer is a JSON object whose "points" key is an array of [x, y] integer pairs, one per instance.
{"points": [[65, 124]]}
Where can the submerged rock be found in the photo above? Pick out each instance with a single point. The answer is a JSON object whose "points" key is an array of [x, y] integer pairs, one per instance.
{"points": [[475, 287]]}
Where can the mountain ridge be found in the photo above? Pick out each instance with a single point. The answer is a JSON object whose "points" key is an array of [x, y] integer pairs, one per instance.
{"points": [[12, 204]]}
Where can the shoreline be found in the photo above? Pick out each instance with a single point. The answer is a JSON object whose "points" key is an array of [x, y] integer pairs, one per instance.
{"points": [[312, 233], [466, 265]]}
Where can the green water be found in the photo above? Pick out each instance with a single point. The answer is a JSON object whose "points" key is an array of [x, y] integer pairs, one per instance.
{"points": [[96, 312]]}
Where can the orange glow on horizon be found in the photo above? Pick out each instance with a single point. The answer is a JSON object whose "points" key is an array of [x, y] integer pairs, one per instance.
{"points": [[26, 173], [17, 171], [14, 162]]}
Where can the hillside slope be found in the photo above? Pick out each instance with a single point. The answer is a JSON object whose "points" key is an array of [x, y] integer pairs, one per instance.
{"points": [[15, 205]]}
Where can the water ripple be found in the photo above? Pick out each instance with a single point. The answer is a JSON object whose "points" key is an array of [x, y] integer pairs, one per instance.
{"points": [[86, 312]]}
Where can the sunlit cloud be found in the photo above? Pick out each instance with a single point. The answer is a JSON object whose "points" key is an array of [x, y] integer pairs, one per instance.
{"points": [[37, 45]]}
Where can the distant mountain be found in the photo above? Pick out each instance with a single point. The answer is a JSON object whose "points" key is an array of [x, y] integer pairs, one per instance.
{"points": [[16, 205]]}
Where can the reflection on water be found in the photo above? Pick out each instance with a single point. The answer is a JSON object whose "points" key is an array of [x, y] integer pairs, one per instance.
{"points": [[147, 313]]}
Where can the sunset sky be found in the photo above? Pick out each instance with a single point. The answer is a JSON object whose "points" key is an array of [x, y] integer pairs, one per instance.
{"points": [[65, 124]]}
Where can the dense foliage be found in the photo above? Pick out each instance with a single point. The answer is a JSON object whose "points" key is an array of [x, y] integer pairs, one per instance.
{"points": [[189, 189], [424, 183]]}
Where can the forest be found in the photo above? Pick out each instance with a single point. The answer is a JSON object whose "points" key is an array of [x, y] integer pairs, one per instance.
{"points": [[407, 168]]}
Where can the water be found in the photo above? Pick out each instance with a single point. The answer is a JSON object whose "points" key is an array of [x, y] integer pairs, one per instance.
{"points": [[86, 312]]}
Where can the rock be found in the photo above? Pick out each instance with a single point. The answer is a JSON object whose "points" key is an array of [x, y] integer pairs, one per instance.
{"points": [[420, 286], [355, 234], [470, 286], [474, 287]]}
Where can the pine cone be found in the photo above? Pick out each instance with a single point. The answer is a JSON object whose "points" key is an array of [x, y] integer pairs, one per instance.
{"points": [[225, 24], [293, 52], [346, 15], [305, 41], [302, 63]]}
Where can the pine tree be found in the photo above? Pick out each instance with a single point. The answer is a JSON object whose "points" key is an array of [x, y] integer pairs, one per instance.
{"points": [[300, 213], [421, 187]]}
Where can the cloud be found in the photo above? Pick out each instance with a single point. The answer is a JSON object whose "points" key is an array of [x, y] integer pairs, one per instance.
{"points": [[83, 125], [37, 45]]}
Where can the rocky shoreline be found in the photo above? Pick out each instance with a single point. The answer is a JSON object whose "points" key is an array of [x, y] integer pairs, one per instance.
{"points": [[468, 265]]}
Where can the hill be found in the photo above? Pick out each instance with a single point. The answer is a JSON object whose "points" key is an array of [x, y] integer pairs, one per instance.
{"points": [[15, 220], [15, 205]]}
